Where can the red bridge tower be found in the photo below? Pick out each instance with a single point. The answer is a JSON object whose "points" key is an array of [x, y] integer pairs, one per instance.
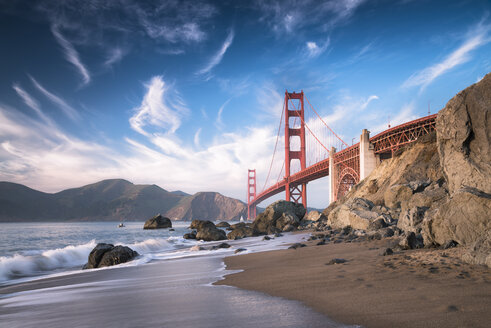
{"points": [[251, 194], [295, 192]]}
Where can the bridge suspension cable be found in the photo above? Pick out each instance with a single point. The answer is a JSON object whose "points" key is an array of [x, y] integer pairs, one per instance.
{"points": [[327, 126], [275, 146]]}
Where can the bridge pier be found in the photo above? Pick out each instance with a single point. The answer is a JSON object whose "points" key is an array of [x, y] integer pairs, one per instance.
{"points": [[368, 159], [332, 175]]}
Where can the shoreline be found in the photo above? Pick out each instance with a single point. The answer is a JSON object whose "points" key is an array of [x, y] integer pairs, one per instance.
{"points": [[415, 288]]}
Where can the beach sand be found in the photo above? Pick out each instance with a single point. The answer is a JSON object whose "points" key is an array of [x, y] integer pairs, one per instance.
{"points": [[415, 288]]}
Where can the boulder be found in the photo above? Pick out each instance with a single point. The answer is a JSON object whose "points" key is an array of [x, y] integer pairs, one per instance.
{"points": [[189, 235], [96, 254], [211, 234], [158, 222], [410, 220], [297, 245], [411, 240], [238, 225], [277, 216], [219, 246], [315, 216], [104, 255], [223, 225], [480, 251], [377, 224], [119, 254], [355, 213], [464, 217], [201, 224], [239, 233]]}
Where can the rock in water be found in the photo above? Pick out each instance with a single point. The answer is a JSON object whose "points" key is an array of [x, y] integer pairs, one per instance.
{"points": [[96, 254], [223, 224], [239, 233], [158, 222], [107, 254], [117, 255], [201, 224]]}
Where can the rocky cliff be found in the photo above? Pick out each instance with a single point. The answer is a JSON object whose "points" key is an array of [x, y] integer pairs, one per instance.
{"points": [[438, 189], [208, 206]]}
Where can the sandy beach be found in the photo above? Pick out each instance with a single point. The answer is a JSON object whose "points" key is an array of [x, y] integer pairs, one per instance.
{"points": [[416, 288]]}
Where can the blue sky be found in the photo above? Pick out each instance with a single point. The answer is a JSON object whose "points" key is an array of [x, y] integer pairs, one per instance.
{"points": [[188, 95]]}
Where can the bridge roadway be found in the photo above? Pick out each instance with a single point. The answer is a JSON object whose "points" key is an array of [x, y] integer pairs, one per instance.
{"points": [[384, 142]]}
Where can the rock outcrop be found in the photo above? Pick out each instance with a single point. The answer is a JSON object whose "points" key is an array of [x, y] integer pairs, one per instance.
{"points": [[207, 231], [437, 189], [158, 222], [279, 216], [104, 255]]}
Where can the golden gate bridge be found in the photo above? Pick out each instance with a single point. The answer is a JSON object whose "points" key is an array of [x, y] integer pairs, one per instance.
{"points": [[312, 150]]}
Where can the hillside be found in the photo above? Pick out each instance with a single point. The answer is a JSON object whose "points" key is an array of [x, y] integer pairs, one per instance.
{"points": [[208, 206], [111, 200]]}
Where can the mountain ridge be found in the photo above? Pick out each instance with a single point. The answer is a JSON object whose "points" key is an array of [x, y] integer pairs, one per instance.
{"points": [[106, 200]]}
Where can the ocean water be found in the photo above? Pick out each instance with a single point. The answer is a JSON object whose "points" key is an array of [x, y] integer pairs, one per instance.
{"points": [[169, 285], [35, 249]]}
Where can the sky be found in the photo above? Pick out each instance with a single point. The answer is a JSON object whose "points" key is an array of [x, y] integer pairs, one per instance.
{"points": [[188, 94]]}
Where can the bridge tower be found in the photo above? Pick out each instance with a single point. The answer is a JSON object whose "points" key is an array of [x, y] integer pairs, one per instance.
{"points": [[296, 193], [251, 194]]}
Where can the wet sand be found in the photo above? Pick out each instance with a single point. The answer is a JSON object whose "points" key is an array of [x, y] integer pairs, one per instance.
{"points": [[166, 293], [416, 288]]}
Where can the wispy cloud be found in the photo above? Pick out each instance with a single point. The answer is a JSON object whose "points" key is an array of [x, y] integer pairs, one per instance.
{"points": [[217, 58], [115, 55], [62, 104], [31, 102], [314, 50], [197, 138], [71, 55], [160, 108], [478, 37], [218, 122], [324, 15]]}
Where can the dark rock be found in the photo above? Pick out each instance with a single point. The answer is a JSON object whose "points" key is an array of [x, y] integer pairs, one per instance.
{"points": [[266, 238], [199, 224], [450, 244], [388, 251], [297, 245], [238, 250], [238, 225], [239, 233], [223, 225], [336, 261], [171, 229], [210, 234], [386, 232], [276, 235], [338, 241], [377, 224], [322, 242], [158, 222], [411, 240], [189, 236], [117, 255], [312, 238], [96, 254], [221, 245]]}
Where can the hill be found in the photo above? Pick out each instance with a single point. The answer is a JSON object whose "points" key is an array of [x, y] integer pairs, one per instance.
{"points": [[208, 206], [112, 200]]}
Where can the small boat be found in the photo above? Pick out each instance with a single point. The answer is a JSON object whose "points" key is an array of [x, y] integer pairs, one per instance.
{"points": [[121, 225]]}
